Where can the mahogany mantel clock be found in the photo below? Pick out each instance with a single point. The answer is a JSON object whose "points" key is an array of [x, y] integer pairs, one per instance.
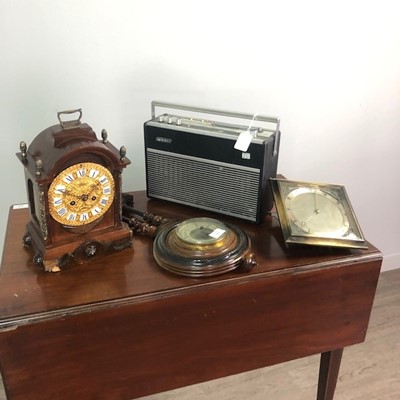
{"points": [[74, 191]]}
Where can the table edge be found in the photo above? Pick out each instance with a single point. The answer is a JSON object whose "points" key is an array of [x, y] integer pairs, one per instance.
{"points": [[12, 323]]}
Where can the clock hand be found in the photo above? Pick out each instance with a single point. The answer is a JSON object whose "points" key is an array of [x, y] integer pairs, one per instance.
{"points": [[69, 193], [316, 210], [89, 189], [79, 196]]}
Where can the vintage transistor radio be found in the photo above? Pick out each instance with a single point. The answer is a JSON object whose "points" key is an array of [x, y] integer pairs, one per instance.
{"points": [[193, 160]]}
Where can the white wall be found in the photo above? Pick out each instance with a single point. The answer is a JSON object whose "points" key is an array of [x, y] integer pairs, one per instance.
{"points": [[329, 70]]}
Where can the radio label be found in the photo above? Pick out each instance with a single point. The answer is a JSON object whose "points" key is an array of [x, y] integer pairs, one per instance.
{"points": [[163, 139]]}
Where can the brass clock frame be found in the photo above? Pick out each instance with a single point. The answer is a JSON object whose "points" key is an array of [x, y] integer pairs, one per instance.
{"points": [[333, 223]]}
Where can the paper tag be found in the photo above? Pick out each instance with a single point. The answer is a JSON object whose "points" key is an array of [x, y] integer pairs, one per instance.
{"points": [[243, 141], [216, 233]]}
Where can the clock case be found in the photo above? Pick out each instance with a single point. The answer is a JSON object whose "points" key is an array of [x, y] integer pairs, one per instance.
{"points": [[354, 237], [58, 147]]}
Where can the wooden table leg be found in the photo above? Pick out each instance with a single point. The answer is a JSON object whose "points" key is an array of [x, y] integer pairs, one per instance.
{"points": [[328, 374]]}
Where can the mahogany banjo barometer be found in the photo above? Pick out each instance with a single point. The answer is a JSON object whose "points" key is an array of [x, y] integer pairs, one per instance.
{"points": [[73, 183]]}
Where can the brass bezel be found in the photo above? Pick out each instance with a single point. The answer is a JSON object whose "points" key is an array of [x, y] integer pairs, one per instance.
{"points": [[353, 238]]}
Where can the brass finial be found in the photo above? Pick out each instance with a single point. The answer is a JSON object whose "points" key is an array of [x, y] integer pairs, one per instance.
{"points": [[23, 147], [122, 152], [104, 135]]}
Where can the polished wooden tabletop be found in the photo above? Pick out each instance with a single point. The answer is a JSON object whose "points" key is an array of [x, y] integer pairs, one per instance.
{"points": [[28, 293]]}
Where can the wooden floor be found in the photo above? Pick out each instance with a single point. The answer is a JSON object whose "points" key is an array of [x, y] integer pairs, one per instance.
{"points": [[369, 371]]}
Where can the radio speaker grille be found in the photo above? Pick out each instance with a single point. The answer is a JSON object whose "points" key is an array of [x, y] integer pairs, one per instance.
{"points": [[210, 185]]}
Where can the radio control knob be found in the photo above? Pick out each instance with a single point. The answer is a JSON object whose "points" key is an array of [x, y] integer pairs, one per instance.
{"points": [[170, 120], [179, 121]]}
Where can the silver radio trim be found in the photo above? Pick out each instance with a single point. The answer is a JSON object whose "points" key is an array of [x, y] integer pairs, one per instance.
{"points": [[217, 128]]}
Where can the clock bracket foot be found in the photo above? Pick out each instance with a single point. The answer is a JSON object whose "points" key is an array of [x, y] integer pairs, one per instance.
{"points": [[82, 254]]}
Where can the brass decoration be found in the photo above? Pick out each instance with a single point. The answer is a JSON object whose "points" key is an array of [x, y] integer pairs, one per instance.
{"points": [[23, 148], [39, 167], [122, 152], [104, 136], [42, 217]]}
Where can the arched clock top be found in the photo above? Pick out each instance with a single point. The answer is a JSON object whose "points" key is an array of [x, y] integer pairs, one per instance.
{"points": [[58, 145]]}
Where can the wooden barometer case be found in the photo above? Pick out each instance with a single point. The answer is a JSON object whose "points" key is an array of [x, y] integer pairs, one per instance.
{"points": [[74, 188]]}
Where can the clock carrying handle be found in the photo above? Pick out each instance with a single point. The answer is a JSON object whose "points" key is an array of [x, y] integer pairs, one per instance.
{"points": [[71, 124]]}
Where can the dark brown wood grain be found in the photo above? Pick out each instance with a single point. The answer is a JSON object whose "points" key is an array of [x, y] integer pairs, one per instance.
{"points": [[121, 327]]}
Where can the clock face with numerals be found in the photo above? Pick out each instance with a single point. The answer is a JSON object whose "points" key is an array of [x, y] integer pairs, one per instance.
{"points": [[81, 194]]}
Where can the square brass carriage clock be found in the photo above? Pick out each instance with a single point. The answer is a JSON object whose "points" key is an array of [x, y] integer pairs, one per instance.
{"points": [[73, 183], [316, 214]]}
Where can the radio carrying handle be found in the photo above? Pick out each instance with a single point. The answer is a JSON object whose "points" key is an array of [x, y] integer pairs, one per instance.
{"points": [[231, 114]]}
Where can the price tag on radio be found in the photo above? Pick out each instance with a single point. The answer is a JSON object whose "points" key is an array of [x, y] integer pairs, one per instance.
{"points": [[243, 141]]}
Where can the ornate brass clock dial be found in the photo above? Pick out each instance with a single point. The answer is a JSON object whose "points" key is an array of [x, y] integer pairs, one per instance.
{"points": [[81, 194], [315, 213]]}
